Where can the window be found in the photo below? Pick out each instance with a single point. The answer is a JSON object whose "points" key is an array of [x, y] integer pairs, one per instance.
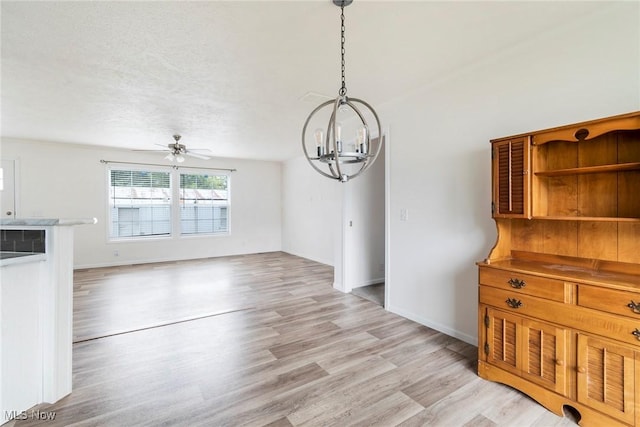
{"points": [[160, 203], [203, 203], [139, 203]]}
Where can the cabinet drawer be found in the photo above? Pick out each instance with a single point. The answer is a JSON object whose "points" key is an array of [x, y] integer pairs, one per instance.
{"points": [[619, 328], [519, 283], [512, 301], [600, 323], [610, 300]]}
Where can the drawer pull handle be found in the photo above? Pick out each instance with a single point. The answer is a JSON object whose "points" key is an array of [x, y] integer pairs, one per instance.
{"points": [[517, 284], [635, 307], [514, 303], [636, 333]]}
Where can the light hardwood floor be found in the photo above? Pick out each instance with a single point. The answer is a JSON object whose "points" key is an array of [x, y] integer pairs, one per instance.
{"points": [[262, 340]]}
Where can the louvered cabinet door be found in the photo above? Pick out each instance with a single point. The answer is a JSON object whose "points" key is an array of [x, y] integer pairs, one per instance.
{"points": [[544, 354], [503, 340], [606, 374], [511, 178]]}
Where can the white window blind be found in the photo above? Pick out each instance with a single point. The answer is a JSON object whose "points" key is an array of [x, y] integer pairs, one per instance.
{"points": [[204, 204], [139, 203]]}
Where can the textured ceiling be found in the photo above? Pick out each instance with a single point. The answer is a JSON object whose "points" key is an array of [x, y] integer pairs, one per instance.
{"points": [[231, 76]]}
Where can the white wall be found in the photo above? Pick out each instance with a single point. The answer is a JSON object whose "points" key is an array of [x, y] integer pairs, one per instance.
{"points": [[438, 163], [311, 209], [317, 213], [440, 158], [68, 181]]}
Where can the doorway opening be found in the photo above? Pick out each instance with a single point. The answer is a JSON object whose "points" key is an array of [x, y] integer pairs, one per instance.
{"points": [[373, 293]]}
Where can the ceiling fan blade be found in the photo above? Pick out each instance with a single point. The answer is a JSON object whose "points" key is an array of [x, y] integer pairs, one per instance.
{"points": [[196, 155]]}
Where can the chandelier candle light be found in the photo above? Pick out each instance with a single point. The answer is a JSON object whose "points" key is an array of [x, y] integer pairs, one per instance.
{"points": [[333, 157]]}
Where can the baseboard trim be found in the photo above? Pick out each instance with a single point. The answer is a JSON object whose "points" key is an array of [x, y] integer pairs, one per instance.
{"points": [[321, 261], [434, 325], [160, 260]]}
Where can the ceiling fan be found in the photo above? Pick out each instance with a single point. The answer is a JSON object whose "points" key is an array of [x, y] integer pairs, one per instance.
{"points": [[177, 151]]}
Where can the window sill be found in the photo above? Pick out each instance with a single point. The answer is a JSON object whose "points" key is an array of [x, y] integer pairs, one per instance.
{"points": [[202, 235], [138, 239]]}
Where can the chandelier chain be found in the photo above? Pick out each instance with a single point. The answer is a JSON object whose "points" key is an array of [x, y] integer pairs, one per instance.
{"points": [[343, 88]]}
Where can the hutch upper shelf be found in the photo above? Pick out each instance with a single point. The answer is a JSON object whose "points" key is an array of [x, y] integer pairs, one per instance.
{"points": [[588, 171]]}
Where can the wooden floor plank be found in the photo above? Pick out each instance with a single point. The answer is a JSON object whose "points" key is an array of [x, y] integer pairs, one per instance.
{"points": [[286, 402], [388, 411], [264, 340], [457, 408], [480, 421], [338, 407]]}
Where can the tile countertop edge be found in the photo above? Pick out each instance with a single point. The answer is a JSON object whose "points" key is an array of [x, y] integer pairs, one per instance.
{"points": [[46, 221], [23, 259]]}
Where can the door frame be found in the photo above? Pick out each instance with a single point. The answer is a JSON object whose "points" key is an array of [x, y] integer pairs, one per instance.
{"points": [[16, 186], [340, 243]]}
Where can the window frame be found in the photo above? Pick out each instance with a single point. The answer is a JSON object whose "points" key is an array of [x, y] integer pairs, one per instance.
{"points": [[175, 203], [196, 171]]}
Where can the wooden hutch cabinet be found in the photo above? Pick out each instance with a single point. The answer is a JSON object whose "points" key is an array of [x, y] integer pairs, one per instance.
{"points": [[559, 293]]}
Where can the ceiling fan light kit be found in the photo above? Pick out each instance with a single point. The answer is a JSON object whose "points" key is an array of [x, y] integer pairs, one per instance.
{"points": [[177, 151], [177, 157], [333, 156]]}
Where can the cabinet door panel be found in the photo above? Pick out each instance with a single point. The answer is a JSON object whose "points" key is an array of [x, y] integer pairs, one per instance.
{"points": [[511, 178], [503, 336], [544, 358], [606, 377]]}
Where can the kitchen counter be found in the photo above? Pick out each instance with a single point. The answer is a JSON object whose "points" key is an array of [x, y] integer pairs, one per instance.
{"points": [[36, 309], [12, 258], [45, 221], [11, 255]]}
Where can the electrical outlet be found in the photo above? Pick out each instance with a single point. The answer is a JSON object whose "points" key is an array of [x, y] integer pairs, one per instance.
{"points": [[404, 214], [116, 253]]}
